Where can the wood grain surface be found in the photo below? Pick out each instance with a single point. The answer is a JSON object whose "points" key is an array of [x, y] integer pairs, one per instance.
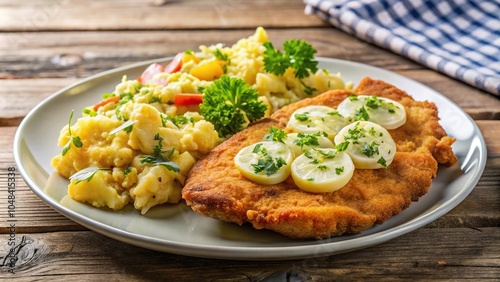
{"points": [[50, 44]]}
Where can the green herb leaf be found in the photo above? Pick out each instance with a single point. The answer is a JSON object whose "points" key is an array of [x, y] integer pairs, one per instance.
{"points": [[301, 117], [342, 146], [161, 157], [275, 134], [75, 140], [86, 174], [126, 126], [89, 111], [382, 161], [339, 170]]}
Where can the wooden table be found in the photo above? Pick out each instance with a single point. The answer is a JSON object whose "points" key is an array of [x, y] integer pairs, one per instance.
{"points": [[47, 45]]}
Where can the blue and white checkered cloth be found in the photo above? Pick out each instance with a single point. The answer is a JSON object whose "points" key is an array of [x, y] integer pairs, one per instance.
{"points": [[460, 38]]}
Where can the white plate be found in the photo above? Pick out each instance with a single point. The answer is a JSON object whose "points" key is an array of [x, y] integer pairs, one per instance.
{"points": [[177, 229]]}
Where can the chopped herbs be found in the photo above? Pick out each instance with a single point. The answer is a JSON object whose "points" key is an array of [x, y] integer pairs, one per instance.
{"points": [[339, 170], [305, 139], [266, 162], [275, 134], [154, 99], [361, 114], [127, 170], [382, 161], [75, 140], [353, 97], [308, 89], [176, 120], [369, 150], [301, 117], [355, 134], [86, 174], [319, 156], [89, 111], [342, 146]]}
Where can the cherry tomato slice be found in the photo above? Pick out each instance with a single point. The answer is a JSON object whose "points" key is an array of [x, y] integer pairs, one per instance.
{"points": [[149, 73], [175, 65]]}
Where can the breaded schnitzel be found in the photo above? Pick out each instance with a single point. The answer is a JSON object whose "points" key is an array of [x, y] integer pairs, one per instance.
{"points": [[215, 187]]}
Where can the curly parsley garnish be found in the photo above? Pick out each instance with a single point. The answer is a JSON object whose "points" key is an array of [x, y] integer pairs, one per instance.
{"points": [[297, 54], [229, 103], [75, 140]]}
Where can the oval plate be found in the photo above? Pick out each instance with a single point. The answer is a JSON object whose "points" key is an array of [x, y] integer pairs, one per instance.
{"points": [[177, 229]]}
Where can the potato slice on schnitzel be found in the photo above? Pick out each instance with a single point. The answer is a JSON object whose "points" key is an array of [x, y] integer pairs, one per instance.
{"points": [[215, 187]]}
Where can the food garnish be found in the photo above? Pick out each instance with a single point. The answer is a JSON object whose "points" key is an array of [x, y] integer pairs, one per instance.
{"points": [[322, 170], [86, 174], [266, 162], [370, 145], [160, 157], [297, 54], [230, 105], [75, 140], [383, 111], [316, 118], [193, 103]]}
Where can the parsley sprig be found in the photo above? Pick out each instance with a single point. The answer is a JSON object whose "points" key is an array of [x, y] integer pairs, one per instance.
{"points": [[86, 174], [229, 103], [75, 140], [297, 54], [160, 157]]}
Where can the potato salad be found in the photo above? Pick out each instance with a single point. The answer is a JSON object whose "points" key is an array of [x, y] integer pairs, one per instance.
{"points": [[137, 144]]}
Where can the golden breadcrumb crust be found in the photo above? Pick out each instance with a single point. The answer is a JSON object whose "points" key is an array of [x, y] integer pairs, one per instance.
{"points": [[215, 187]]}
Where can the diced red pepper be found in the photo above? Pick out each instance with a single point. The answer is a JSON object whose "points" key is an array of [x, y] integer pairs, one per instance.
{"points": [[114, 99], [186, 99]]}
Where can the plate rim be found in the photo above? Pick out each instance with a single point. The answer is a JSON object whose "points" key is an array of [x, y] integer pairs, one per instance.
{"points": [[237, 252]]}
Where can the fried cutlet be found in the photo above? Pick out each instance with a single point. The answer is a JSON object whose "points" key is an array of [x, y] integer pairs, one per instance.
{"points": [[215, 187]]}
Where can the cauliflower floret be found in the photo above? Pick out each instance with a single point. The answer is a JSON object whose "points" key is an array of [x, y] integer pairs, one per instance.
{"points": [[200, 137], [158, 185], [101, 191], [147, 122], [99, 148]]}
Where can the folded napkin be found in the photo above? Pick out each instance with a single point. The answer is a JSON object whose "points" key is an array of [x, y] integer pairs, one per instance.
{"points": [[460, 38]]}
